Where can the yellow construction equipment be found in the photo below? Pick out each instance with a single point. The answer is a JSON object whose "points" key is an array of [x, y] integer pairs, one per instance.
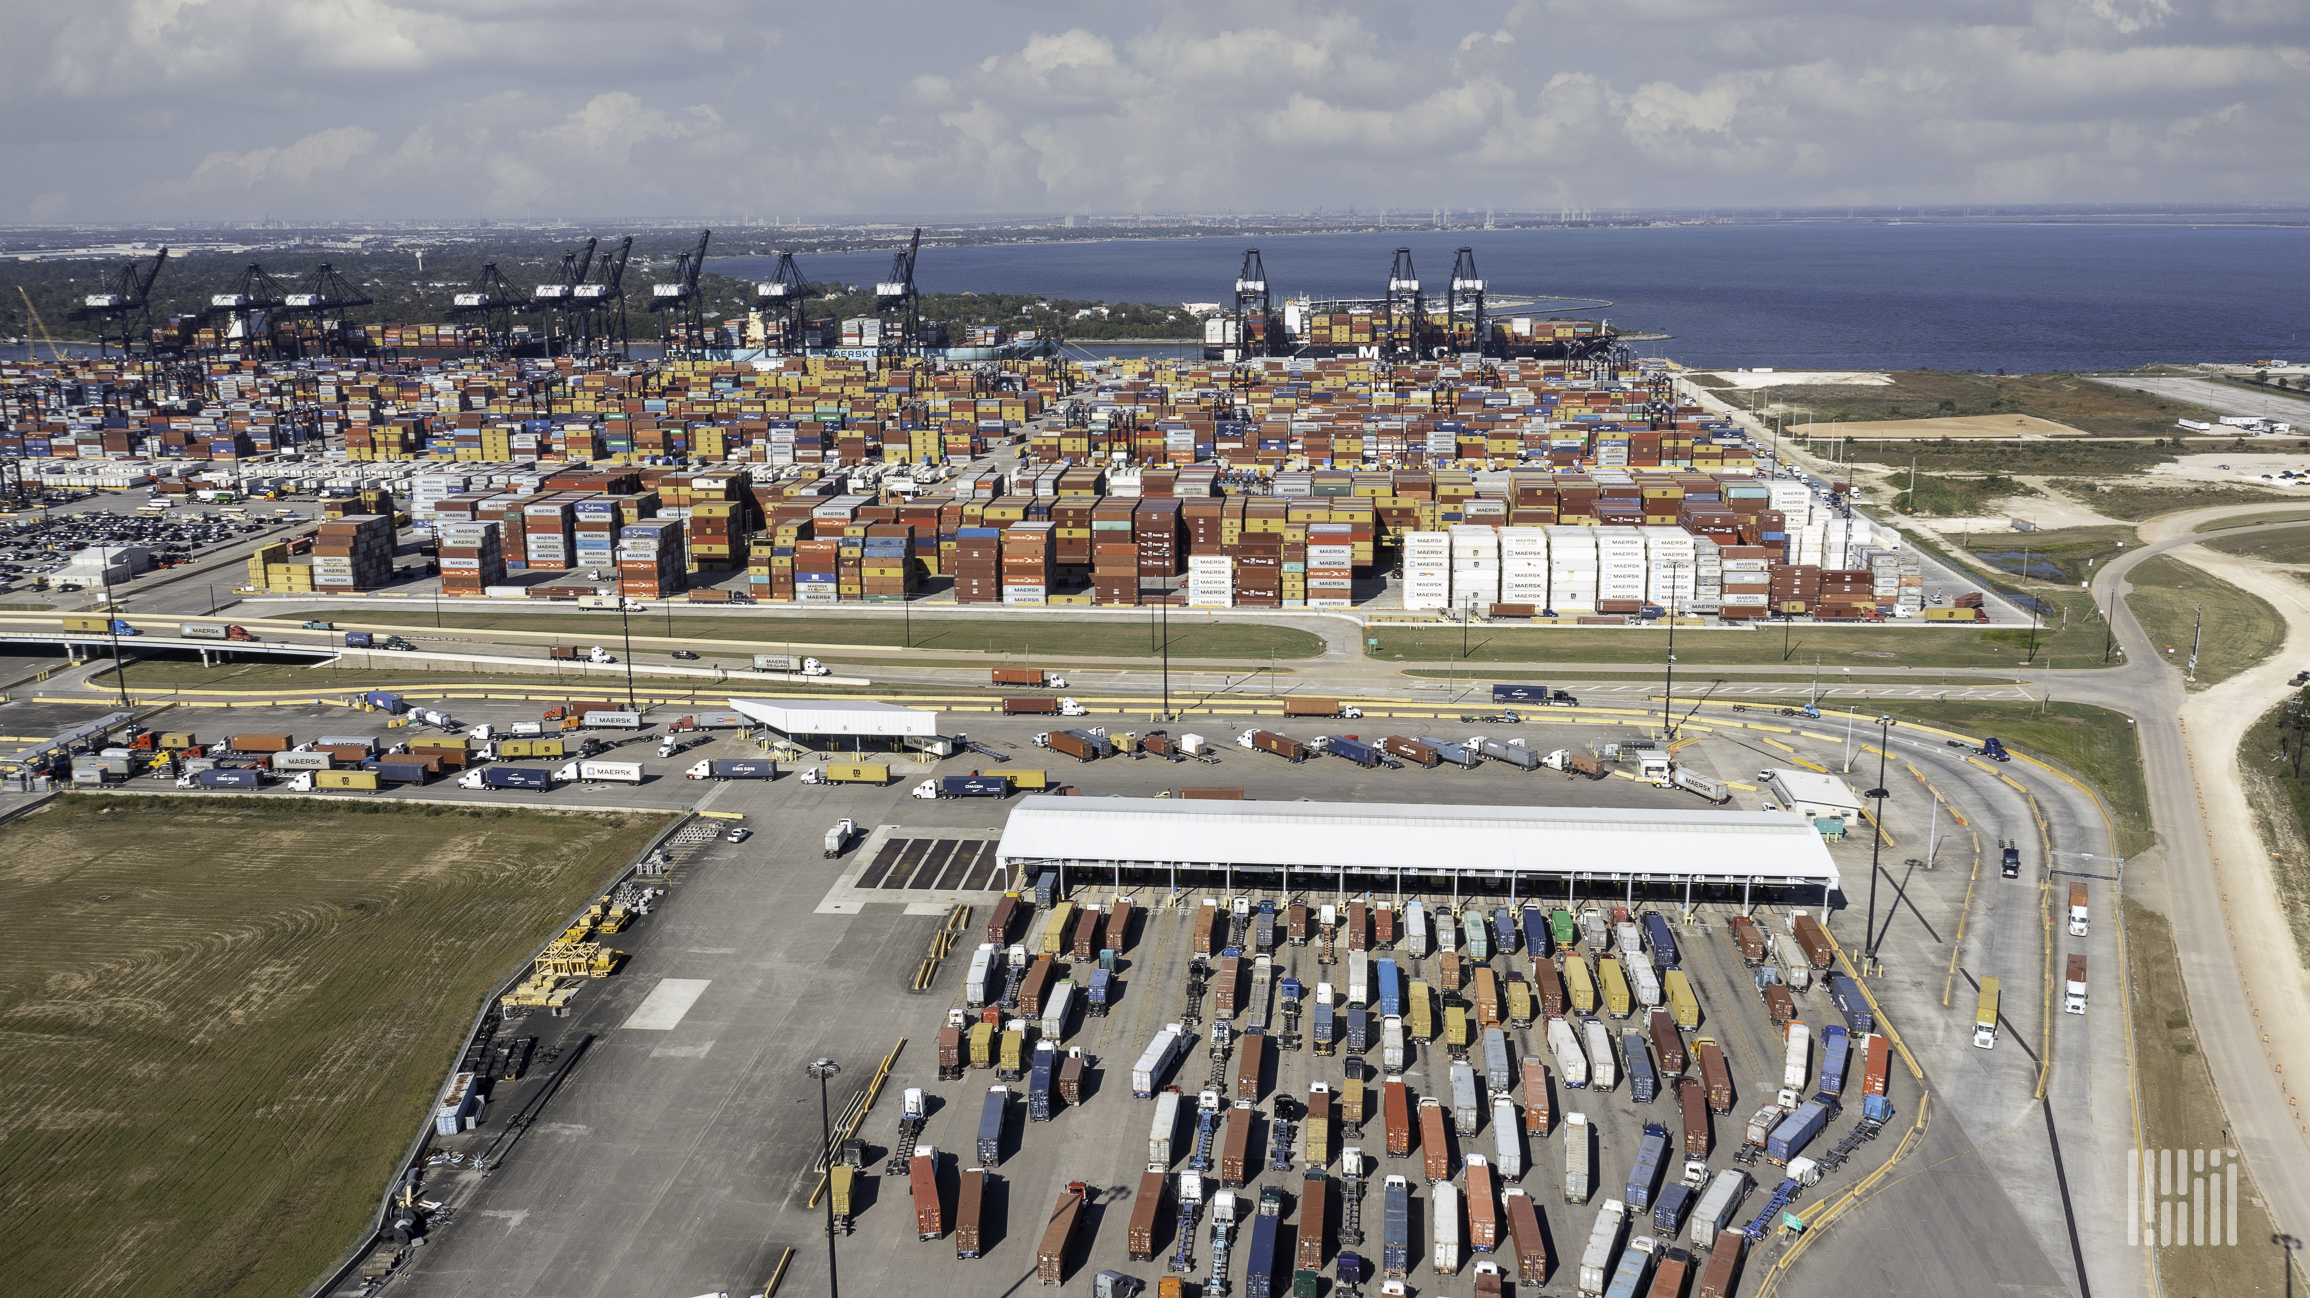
{"points": [[54, 353]]}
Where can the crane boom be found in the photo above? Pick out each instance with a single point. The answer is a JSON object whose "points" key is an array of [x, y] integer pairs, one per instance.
{"points": [[53, 353]]}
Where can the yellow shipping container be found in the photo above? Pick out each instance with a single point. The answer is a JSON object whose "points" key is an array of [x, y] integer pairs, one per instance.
{"points": [[345, 780]]}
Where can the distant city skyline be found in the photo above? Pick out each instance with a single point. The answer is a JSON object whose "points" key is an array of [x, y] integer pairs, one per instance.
{"points": [[128, 111]]}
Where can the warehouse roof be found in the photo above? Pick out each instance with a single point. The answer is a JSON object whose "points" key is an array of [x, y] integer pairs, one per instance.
{"points": [[1426, 839], [838, 717]]}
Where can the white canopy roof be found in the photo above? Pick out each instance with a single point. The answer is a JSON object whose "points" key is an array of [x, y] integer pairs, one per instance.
{"points": [[838, 717], [1425, 839]]}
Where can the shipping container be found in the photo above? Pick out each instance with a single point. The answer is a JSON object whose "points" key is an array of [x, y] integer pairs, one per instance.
{"points": [[1651, 1161], [1396, 1111], [1716, 1206], [1724, 1264], [1579, 985], [1603, 1246], [1549, 985], [1570, 1055], [1146, 1212], [1051, 1258], [1716, 1074], [1692, 1098], [1444, 1228], [1681, 1002], [1435, 1140], [1603, 1067], [1235, 1146], [1579, 1158], [1539, 1101], [1313, 1197], [969, 1207], [1534, 1262], [1251, 1068], [1165, 1125], [1396, 1228], [1813, 939], [1636, 1061], [922, 1176]]}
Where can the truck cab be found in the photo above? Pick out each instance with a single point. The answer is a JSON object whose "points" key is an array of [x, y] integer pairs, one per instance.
{"points": [[1985, 1015], [2009, 859]]}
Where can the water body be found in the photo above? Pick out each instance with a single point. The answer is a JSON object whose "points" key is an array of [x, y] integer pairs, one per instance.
{"points": [[1829, 296]]}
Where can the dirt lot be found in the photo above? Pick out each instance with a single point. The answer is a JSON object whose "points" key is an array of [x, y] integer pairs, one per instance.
{"points": [[221, 1023], [2180, 1113], [2062, 399]]}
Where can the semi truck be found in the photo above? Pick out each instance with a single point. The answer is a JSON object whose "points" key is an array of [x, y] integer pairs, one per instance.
{"points": [[1321, 708], [1985, 1015], [2077, 917], [1155, 1062], [601, 772], [214, 631], [1651, 1160], [1034, 706], [1579, 1158], [2073, 986], [963, 786], [734, 768], [848, 773], [1603, 1244], [1268, 741], [922, 1176], [507, 777], [789, 663]]}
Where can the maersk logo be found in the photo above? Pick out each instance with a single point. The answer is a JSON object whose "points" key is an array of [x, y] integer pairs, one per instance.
{"points": [[2179, 1197]]}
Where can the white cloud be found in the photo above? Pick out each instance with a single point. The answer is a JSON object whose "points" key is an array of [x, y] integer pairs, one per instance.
{"points": [[512, 108]]}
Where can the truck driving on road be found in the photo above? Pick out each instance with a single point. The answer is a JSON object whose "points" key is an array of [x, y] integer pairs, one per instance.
{"points": [[1985, 1015]]}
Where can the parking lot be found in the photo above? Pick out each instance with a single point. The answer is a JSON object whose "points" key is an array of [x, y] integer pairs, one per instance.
{"points": [[39, 546]]}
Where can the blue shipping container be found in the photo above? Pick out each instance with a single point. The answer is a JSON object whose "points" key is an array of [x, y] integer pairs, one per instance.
{"points": [[1663, 941]]}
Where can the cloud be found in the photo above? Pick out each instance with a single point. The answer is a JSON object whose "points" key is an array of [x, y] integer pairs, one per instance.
{"points": [[514, 108]]}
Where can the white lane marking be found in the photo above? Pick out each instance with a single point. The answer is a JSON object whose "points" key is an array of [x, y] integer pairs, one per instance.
{"points": [[663, 1008]]}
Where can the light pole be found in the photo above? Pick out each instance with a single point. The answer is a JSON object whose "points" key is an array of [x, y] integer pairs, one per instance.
{"points": [[2287, 1244], [112, 625], [1877, 840], [823, 1069], [1167, 656], [626, 626]]}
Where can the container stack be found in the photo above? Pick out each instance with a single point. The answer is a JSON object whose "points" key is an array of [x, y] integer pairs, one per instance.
{"points": [[353, 553], [1331, 556], [1210, 581], [650, 558], [1708, 579], [1572, 571], [1620, 569], [1155, 530], [1475, 567], [1747, 581], [1795, 584], [1027, 567], [1672, 567], [977, 565], [472, 558], [1427, 570], [714, 534], [1259, 570], [816, 572], [594, 534], [546, 534], [887, 567], [1900, 580], [1114, 570], [1524, 566]]}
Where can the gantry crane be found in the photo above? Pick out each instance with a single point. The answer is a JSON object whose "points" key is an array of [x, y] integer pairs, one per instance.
{"points": [[326, 299], [782, 302], [681, 312], [1466, 292], [1253, 323], [554, 300], [1406, 310], [898, 292], [246, 315], [492, 299], [598, 307], [124, 311]]}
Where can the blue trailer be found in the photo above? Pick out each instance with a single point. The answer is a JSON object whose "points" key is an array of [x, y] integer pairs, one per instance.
{"points": [[1046, 888], [1663, 940], [1259, 1256], [1095, 995], [359, 640], [1860, 1020], [385, 701], [390, 772], [1836, 1050], [1356, 1024], [1636, 1059], [1796, 1131], [1391, 989], [1039, 1086], [1460, 755], [1355, 750], [1326, 1028], [1503, 931], [1651, 1158], [507, 777], [974, 786], [1520, 694], [222, 779], [1536, 933]]}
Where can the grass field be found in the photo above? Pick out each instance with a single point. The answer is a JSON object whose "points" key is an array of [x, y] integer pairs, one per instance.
{"points": [[1950, 496], [2254, 520], [1874, 648], [221, 1022], [2241, 629], [2080, 459], [2094, 744], [2289, 546], [2176, 1088], [1939, 394], [1191, 636], [2136, 501]]}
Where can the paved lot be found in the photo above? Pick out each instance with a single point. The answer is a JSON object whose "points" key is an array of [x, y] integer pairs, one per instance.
{"points": [[2227, 398], [676, 1159]]}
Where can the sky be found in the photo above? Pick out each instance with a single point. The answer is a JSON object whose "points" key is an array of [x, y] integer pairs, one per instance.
{"points": [[514, 110]]}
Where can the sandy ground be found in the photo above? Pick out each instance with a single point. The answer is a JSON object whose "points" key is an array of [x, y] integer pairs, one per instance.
{"points": [[1746, 379], [2051, 510], [2237, 467], [1970, 426]]}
